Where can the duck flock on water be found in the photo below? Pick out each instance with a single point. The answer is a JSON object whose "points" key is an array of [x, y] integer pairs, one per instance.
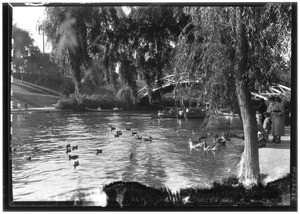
{"points": [[200, 143], [70, 148], [217, 142]]}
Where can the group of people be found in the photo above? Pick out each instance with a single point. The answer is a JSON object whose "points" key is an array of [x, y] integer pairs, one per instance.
{"points": [[272, 120], [180, 112]]}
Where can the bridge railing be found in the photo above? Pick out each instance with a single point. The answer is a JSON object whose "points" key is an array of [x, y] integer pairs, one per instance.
{"points": [[278, 90], [168, 80]]}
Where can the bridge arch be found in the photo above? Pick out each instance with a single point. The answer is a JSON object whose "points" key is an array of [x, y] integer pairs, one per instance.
{"points": [[168, 86]]}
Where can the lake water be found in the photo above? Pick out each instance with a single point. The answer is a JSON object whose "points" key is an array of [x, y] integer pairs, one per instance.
{"points": [[167, 161]]}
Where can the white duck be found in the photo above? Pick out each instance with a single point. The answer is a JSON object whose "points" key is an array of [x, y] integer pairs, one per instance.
{"points": [[194, 146]]}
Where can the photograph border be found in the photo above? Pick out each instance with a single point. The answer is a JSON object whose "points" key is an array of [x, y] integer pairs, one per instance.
{"points": [[10, 205]]}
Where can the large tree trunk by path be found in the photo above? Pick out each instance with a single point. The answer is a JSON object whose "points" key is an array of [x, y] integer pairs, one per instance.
{"points": [[248, 169]]}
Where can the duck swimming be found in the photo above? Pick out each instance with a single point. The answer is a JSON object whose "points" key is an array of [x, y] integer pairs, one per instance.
{"points": [[27, 157], [68, 150], [74, 147], [133, 133], [138, 137], [74, 157], [148, 139], [99, 151], [116, 135], [13, 149], [194, 146], [76, 163], [112, 128], [68, 146]]}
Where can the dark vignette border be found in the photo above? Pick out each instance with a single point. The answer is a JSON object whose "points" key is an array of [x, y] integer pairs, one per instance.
{"points": [[294, 138], [7, 173], [9, 205]]}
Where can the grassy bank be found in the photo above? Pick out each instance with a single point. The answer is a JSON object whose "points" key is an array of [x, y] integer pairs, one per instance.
{"points": [[32, 96], [34, 100]]}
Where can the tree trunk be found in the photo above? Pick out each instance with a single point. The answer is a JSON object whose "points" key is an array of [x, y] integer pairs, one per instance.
{"points": [[248, 169]]}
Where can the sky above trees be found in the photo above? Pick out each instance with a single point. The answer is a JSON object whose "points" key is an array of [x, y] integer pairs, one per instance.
{"points": [[28, 18]]}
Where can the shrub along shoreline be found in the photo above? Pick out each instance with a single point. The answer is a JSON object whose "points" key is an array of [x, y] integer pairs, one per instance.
{"points": [[110, 101], [91, 101]]}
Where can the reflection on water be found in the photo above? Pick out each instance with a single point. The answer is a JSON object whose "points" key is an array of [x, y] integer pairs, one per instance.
{"points": [[166, 161]]}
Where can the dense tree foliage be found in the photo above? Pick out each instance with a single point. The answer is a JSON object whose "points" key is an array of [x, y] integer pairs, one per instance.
{"points": [[156, 32], [138, 42], [23, 47], [28, 57]]}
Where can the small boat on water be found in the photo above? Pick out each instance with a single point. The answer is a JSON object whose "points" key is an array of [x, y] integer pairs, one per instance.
{"points": [[226, 112], [103, 110]]}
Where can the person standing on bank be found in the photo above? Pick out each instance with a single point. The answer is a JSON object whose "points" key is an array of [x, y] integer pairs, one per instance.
{"points": [[19, 106], [278, 120], [267, 115]]}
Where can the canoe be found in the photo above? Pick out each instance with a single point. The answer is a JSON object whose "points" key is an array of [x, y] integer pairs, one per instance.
{"points": [[103, 110], [196, 114], [226, 112], [166, 115]]}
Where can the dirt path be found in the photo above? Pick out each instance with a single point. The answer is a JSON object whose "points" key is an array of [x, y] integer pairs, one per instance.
{"points": [[274, 159]]}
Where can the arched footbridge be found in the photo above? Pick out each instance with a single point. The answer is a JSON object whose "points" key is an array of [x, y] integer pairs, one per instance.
{"points": [[169, 82]]}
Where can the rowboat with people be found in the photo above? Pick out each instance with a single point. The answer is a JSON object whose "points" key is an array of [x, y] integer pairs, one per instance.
{"points": [[103, 110], [180, 114]]}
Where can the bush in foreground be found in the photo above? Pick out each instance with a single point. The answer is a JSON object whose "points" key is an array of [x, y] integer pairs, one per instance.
{"points": [[227, 193]]}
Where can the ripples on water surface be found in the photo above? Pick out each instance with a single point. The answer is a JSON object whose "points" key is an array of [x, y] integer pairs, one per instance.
{"points": [[166, 161]]}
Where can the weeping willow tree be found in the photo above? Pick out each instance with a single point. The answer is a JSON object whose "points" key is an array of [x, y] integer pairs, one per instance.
{"points": [[232, 51], [127, 95], [86, 41]]}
